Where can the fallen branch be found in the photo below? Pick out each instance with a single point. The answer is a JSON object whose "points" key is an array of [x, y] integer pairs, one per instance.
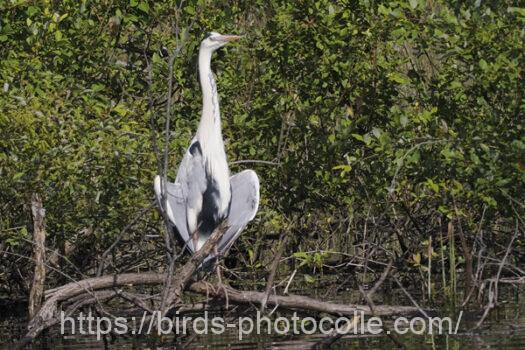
{"points": [[47, 316], [299, 302], [95, 291]]}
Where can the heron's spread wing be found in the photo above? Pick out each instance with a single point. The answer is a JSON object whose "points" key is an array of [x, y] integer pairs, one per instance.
{"points": [[184, 197], [175, 209], [188, 188], [244, 205], [192, 177]]}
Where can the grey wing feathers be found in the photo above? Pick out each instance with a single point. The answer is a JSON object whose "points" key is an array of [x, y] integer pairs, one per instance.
{"points": [[192, 177], [244, 205], [184, 197], [175, 208]]}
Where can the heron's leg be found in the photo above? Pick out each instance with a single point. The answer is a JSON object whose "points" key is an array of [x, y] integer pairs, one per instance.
{"points": [[195, 239], [217, 265], [219, 276]]}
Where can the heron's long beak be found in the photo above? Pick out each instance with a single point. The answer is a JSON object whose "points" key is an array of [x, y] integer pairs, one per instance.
{"points": [[229, 38]]}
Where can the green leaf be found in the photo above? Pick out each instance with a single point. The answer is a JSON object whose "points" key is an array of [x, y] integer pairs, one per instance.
{"points": [[344, 167], [121, 110], [377, 132], [432, 185], [156, 59], [367, 139], [300, 255], [144, 7], [383, 10], [358, 137], [32, 10], [483, 65], [399, 78], [518, 145], [309, 279], [417, 259], [97, 87], [413, 3], [519, 10]]}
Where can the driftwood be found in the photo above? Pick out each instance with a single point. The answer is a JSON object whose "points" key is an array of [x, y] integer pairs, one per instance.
{"points": [[299, 302], [72, 296], [94, 290], [39, 254]]}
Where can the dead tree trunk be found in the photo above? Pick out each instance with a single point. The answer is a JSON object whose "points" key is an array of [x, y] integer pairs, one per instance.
{"points": [[39, 254]]}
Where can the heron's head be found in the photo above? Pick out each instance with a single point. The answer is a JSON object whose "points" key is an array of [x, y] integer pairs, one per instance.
{"points": [[213, 41]]}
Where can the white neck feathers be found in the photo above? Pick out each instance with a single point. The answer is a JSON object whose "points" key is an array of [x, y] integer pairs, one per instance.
{"points": [[210, 124]]}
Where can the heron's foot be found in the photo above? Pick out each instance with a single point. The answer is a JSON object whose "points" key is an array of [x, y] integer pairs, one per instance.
{"points": [[222, 286]]}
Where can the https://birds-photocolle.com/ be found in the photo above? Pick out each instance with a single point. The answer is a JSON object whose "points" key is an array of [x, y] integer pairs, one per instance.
{"points": [[204, 194]]}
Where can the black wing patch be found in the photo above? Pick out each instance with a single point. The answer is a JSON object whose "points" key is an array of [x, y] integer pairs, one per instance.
{"points": [[209, 218], [194, 148]]}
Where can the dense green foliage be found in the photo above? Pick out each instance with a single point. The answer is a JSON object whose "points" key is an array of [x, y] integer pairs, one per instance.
{"points": [[387, 119]]}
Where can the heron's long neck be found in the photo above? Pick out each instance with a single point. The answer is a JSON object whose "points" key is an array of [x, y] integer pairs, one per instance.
{"points": [[210, 124]]}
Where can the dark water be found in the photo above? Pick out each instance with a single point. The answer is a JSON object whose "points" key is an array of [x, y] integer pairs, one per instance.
{"points": [[503, 329]]}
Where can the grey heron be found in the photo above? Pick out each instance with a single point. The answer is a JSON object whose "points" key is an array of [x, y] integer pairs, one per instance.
{"points": [[203, 194]]}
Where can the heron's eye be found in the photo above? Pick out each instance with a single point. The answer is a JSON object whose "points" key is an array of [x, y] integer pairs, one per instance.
{"points": [[207, 35]]}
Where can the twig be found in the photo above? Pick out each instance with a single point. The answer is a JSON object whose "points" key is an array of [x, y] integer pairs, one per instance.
{"points": [[149, 81], [289, 282], [119, 237], [381, 280], [170, 240], [255, 161], [39, 254], [410, 297], [467, 252], [392, 186], [273, 269], [493, 293]]}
